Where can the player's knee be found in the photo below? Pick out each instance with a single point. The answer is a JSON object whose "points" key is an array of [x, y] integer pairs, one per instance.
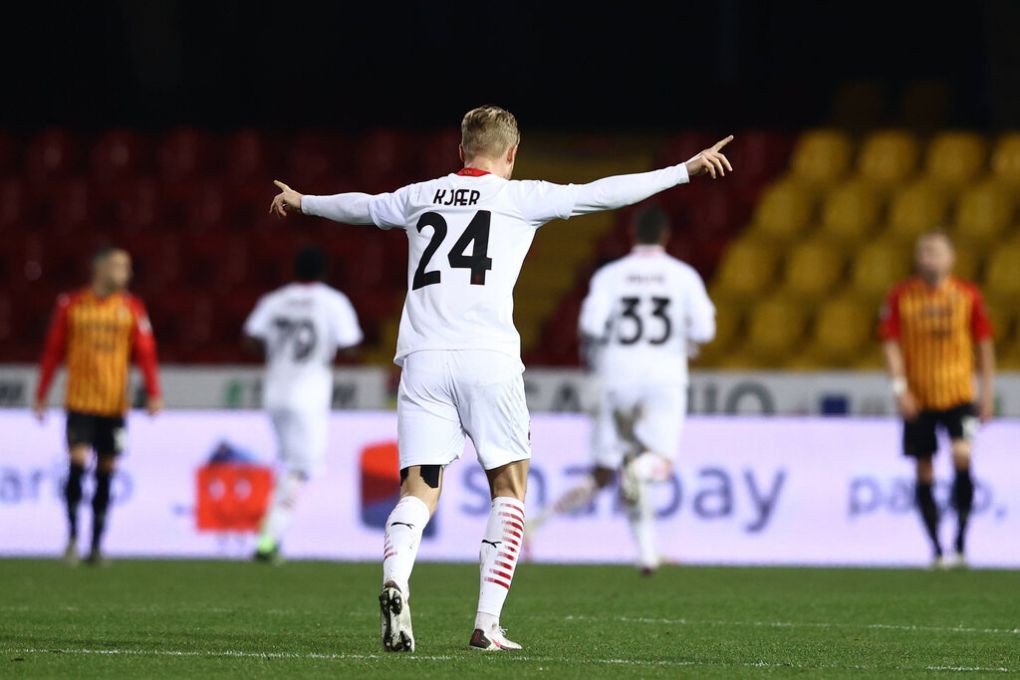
{"points": [[106, 463], [509, 481], [961, 455], [925, 471], [79, 454], [603, 477]]}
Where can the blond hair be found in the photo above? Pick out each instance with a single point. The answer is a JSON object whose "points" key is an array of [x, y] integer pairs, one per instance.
{"points": [[488, 131]]}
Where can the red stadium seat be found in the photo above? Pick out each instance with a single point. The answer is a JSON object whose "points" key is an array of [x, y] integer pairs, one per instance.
{"points": [[72, 205], [438, 154], [17, 207], [681, 147], [53, 153], [247, 154], [137, 204], [118, 154], [185, 153], [214, 262], [381, 160], [155, 260]]}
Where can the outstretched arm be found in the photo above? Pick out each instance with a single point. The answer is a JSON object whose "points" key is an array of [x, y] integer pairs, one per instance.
{"points": [[551, 201], [383, 210], [621, 190]]}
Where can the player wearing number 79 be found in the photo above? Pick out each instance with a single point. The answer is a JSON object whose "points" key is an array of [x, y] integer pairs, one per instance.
{"points": [[468, 234], [299, 327]]}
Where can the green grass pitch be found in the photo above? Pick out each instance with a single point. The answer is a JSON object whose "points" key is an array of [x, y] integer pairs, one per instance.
{"points": [[187, 619]]}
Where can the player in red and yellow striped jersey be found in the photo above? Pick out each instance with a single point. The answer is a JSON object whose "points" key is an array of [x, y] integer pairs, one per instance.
{"points": [[932, 326], [97, 330]]}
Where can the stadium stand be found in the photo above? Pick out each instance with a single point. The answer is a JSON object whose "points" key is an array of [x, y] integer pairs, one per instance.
{"points": [[799, 246]]}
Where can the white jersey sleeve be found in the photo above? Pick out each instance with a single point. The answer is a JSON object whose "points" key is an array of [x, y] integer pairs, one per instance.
{"points": [[545, 201], [386, 210], [258, 323], [344, 322], [700, 312], [597, 306]]}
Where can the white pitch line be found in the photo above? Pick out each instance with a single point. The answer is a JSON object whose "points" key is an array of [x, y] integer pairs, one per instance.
{"points": [[665, 663], [801, 624]]}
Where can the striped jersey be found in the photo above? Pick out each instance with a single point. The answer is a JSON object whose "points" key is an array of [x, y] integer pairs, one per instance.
{"points": [[937, 328], [97, 337]]}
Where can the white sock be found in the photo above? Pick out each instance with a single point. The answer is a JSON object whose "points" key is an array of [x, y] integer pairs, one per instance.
{"points": [[572, 500], [642, 526], [498, 558], [404, 527], [651, 467], [277, 519]]}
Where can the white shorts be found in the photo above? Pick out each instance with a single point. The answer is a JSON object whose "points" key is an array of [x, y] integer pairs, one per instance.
{"points": [[644, 417], [301, 438], [447, 395]]}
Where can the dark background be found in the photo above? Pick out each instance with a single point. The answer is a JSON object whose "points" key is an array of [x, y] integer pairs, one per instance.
{"points": [[605, 66]]}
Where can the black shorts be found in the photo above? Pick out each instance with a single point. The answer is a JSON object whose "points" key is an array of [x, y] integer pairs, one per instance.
{"points": [[105, 434], [919, 434]]}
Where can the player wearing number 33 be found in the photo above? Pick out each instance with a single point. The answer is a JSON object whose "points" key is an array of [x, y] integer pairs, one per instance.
{"points": [[299, 327], [468, 234], [643, 316]]}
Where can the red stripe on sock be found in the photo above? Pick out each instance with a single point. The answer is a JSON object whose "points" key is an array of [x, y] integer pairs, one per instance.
{"points": [[504, 565], [390, 554], [515, 534], [504, 574], [498, 582], [506, 556]]}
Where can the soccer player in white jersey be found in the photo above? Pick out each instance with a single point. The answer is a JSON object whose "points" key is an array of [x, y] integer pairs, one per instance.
{"points": [[468, 234], [643, 316], [300, 327]]}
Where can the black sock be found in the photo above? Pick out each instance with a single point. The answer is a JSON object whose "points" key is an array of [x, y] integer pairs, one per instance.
{"points": [[963, 501], [72, 494], [100, 502], [929, 513]]}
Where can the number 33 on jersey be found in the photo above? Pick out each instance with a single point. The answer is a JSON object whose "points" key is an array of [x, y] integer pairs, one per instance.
{"points": [[646, 309]]}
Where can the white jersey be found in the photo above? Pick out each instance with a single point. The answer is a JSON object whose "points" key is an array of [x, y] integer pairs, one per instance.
{"points": [[468, 234], [302, 325], [646, 309]]}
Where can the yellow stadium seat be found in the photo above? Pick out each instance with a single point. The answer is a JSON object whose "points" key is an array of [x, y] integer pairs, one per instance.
{"points": [[968, 263], [850, 212], [1003, 314], [775, 330], [956, 158], [983, 212], [919, 207], [1009, 358], [1006, 159], [888, 158], [871, 358], [821, 156], [783, 212], [1002, 273], [812, 269], [747, 269], [729, 318], [878, 266], [843, 330]]}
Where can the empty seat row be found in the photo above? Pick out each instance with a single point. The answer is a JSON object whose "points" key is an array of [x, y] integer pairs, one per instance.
{"points": [[890, 157]]}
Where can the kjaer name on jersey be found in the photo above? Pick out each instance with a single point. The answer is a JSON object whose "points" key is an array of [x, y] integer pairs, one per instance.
{"points": [[457, 197]]}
